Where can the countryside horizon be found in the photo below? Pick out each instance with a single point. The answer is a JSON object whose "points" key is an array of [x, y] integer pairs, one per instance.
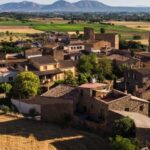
{"points": [[126, 3]]}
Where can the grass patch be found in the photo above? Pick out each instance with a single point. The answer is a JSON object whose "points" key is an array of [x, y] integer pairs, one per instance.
{"points": [[80, 27]]}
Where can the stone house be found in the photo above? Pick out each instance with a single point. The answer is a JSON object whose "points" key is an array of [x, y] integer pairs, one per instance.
{"points": [[74, 46], [137, 82], [125, 60], [7, 74], [112, 38], [144, 57], [46, 107], [33, 52], [96, 101], [49, 69], [97, 46]]}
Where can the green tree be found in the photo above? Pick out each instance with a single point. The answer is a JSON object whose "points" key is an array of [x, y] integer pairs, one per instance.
{"points": [[120, 143], [105, 66], [124, 127], [83, 78], [26, 85], [6, 87], [70, 79], [102, 30], [85, 64]]}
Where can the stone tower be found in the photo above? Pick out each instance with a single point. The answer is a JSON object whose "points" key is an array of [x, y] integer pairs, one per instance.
{"points": [[89, 34]]}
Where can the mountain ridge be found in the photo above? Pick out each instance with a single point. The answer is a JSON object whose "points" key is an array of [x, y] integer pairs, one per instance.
{"points": [[65, 6]]}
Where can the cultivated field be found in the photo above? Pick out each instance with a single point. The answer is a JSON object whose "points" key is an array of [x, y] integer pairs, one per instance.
{"points": [[18, 29], [36, 25], [134, 25], [21, 134]]}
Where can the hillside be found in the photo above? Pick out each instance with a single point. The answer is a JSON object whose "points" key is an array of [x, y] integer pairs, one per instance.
{"points": [[65, 6], [21, 134]]}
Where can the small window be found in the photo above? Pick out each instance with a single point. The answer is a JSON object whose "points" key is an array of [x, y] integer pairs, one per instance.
{"points": [[45, 67], [126, 109], [10, 79], [81, 92], [141, 108], [94, 93]]}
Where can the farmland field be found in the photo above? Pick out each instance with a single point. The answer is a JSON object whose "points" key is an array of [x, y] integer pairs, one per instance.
{"points": [[22, 134], [18, 29], [125, 29], [134, 25]]}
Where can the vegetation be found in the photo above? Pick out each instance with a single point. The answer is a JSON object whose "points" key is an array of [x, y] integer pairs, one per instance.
{"points": [[6, 87], [70, 79], [124, 127], [5, 109], [90, 67], [26, 85], [120, 143], [124, 135], [132, 45], [10, 47], [119, 70]]}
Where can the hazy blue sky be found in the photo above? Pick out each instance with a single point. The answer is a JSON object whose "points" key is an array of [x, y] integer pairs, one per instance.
{"points": [[109, 2]]}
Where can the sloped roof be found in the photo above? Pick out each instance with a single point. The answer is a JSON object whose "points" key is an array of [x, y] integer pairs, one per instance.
{"points": [[44, 60], [62, 91]]}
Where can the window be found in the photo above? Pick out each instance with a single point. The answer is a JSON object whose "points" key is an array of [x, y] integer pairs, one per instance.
{"points": [[141, 108], [45, 67], [81, 92], [126, 109], [10, 79], [94, 93]]}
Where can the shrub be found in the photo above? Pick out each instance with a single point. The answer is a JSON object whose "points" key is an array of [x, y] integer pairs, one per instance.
{"points": [[5, 109], [124, 127], [120, 143], [33, 112], [137, 37]]}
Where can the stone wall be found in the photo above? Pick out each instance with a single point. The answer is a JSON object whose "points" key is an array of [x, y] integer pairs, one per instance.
{"points": [[57, 112], [128, 104], [110, 37]]}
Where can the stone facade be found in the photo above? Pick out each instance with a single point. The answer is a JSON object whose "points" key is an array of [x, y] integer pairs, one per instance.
{"points": [[92, 104], [89, 34], [137, 82], [57, 112], [110, 37]]}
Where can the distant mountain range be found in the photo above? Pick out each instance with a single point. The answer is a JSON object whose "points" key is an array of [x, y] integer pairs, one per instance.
{"points": [[64, 6]]}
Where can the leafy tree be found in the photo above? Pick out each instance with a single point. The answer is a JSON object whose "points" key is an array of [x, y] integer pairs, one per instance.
{"points": [[137, 37], [26, 85], [105, 66], [5, 109], [124, 127], [89, 66], [83, 78], [102, 30], [120, 143], [70, 79], [6, 87], [85, 64]]}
